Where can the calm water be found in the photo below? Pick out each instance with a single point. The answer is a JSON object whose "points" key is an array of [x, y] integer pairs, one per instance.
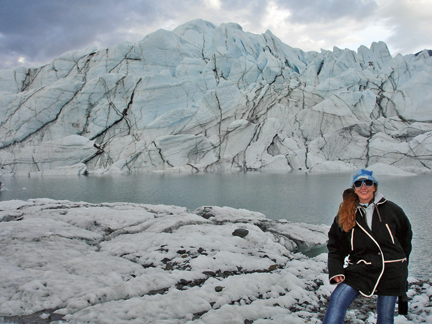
{"points": [[296, 197]]}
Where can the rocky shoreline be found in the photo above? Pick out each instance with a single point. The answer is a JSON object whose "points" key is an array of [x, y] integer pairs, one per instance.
{"points": [[117, 263], [361, 311]]}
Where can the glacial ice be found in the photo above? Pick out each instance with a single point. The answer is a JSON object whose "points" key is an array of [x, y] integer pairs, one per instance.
{"points": [[206, 98]]}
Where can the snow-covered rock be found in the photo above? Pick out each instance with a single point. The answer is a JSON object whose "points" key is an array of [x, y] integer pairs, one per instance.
{"points": [[210, 98], [78, 262]]}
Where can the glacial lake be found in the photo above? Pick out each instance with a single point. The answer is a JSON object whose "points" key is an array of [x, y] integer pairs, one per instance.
{"points": [[298, 197]]}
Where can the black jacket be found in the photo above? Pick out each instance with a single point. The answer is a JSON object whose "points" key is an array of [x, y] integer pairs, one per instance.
{"points": [[377, 260]]}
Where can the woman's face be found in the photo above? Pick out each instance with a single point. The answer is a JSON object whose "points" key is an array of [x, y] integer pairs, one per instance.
{"points": [[365, 194]]}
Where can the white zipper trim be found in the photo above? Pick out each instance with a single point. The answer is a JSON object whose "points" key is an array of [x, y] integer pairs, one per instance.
{"points": [[393, 261], [383, 262], [391, 235]]}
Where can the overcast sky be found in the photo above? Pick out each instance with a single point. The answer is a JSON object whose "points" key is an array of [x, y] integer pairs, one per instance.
{"points": [[34, 32]]}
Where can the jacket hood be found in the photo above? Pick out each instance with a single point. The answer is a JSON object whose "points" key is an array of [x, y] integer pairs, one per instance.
{"points": [[379, 198]]}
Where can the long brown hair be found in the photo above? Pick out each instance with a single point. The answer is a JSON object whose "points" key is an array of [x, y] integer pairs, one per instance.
{"points": [[347, 210]]}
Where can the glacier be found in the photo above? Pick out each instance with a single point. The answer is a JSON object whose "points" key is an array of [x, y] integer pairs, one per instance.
{"points": [[206, 98]]}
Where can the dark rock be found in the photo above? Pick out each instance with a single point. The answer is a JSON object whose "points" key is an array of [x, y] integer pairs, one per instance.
{"points": [[12, 217], [202, 251], [41, 317], [241, 232], [108, 230], [209, 273], [206, 212], [158, 291]]}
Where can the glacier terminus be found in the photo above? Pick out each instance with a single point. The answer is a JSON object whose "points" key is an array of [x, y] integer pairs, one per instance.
{"points": [[206, 98]]}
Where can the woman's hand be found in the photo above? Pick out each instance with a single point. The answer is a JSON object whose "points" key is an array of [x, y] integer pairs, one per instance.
{"points": [[338, 279]]}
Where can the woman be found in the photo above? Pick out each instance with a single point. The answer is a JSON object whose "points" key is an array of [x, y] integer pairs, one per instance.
{"points": [[369, 246]]}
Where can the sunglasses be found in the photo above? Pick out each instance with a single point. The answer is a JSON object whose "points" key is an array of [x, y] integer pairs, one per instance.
{"points": [[359, 183]]}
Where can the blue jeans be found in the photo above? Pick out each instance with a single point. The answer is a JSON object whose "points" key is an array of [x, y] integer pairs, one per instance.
{"points": [[344, 295]]}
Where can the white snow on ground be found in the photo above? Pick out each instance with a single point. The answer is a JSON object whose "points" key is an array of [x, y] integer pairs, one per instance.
{"points": [[132, 263]]}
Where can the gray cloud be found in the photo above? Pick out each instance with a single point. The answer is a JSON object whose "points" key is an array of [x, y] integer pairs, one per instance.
{"points": [[42, 30], [410, 22], [33, 33], [39, 31], [253, 9], [308, 11]]}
